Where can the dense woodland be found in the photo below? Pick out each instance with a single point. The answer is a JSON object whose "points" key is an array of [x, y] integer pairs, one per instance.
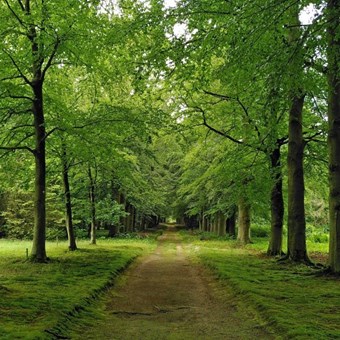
{"points": [[224, 114]]}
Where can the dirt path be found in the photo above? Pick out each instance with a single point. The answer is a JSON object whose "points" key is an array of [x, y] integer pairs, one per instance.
{"points": [[164, 296]]}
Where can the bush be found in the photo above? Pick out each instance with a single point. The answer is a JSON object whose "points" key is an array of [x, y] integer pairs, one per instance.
{"points": [[317, 235], [259, 230], [55, 232]]}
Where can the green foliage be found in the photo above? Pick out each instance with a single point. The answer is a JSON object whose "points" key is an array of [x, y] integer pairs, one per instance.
{"points": [[109, 211], [317, 234], [18, 214], [260, 230]]}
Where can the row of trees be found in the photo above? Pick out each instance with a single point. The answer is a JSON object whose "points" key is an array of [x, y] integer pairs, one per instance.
{"points": [[266, 83], [200, 100], [68, 102]]}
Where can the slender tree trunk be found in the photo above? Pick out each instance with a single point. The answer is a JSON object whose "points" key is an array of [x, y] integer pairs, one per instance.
{"points": [[204, 223], [93, 207], [231, 223], [333, 55], [277, 205], [39, 234], [243, 234], [68, 204], [221, 222], [38, 253], [215, 223]]}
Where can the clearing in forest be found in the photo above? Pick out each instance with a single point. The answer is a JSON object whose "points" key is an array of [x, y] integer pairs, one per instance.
{"points": [[166, 296]]}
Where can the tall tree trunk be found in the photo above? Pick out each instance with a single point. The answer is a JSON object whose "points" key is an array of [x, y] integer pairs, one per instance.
{"points": [[243, 234], [92, 207], [333, 55], [277, 205], [68, 204], [39, 234], [297, 250]]}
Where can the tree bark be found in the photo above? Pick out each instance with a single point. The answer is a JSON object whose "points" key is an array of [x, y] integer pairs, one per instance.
{"points": [[68, 203], [231, 223], [38, 253], [243, 234], [333, 56], [297, 250], [221, 224], [277, 205], [92, 198]]}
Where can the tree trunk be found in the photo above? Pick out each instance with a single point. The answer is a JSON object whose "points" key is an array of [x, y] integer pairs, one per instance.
{"points": [[231, 223], [122, 219], [333, 55], [204, 223], [39, 234], [68, 204], [277, 205], [92, 207], [38, 253], [221, 224], [297, 250], [243, 234]]}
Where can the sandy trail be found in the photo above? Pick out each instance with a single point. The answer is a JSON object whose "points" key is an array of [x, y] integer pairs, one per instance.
{"points": [[165, 296]]}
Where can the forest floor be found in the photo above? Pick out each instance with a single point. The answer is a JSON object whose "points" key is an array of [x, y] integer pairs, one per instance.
{"points": [[166, 296]]}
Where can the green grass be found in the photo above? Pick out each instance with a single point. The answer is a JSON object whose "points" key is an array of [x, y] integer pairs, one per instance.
{"points": [[37, 297], [291, 299]]}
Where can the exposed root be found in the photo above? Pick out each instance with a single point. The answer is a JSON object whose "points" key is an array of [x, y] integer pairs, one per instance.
{"points": [[34, 259], [327, 272], [287, 259], [273, 253]]}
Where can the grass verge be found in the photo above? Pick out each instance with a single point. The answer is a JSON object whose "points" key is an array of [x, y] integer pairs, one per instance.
{"points": [[294, 302], [40, 297]]}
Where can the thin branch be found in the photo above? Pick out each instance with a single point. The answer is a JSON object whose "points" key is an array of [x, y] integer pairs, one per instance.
{"points": [[20, 97], [21, 126], [21, 5], [205, 123], [313, 138], [222, 96], [245, 110], [50, 59], [14, 148], [11, 78], [17, 67], [52, 131], [15, 15]]}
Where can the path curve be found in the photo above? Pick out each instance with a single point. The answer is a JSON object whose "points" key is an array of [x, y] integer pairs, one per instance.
{"points": [[165, 296]]}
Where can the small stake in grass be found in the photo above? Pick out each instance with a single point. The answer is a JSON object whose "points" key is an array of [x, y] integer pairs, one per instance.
{"points": [[26, 253]]}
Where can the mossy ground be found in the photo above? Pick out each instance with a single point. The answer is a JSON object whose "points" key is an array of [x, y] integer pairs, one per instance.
{"points": [[294, 302], [38, 297]]}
